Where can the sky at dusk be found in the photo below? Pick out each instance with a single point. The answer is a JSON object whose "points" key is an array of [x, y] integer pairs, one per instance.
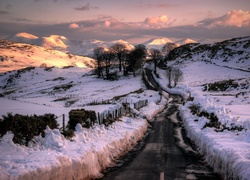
{"points": [[131, 20]]}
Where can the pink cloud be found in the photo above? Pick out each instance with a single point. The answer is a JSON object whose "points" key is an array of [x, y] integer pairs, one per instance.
{"points": [[73, 26], [107, 23], [237, 18], [157, 21]]}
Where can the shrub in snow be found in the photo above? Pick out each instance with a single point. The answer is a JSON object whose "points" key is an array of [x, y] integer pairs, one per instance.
{"points": [[25, 127], [69, 133], [85, 118], [195, 108], [213, 119]]}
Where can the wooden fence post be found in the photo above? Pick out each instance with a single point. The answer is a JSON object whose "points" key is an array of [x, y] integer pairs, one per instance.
{"points": [[98, 117], [63, 122]]}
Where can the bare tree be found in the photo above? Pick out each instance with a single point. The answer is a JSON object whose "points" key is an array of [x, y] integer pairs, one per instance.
{"points": [[119, 50], [98, 55], [173, 74], [136, 57], [169, 76], [156, 56], [108, 56], [177, 75], [125, 63]]}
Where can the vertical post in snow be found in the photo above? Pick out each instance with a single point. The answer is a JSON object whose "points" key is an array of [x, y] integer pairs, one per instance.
{"points": [[98, 117], [63, 122]]}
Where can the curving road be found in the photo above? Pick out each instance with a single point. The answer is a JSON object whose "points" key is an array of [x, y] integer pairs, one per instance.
{"points": [[167, 154]]}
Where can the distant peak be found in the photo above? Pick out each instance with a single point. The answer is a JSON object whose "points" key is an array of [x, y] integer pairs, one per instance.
{"points": [[120, 41], [158, 41], [185, 41], [26, 35], [57, 37]]}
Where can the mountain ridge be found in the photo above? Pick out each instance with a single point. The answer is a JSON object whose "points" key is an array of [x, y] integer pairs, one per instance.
{"points": [[86, 47]]}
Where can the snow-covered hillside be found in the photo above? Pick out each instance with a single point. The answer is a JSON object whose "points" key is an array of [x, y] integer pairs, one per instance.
{"points": [[233, 53], [55, 42], [71, 86], [14, 56]]}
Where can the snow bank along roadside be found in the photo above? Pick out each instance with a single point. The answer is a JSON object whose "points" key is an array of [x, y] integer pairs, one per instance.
{"points": [[227, 151], [91, 150]]}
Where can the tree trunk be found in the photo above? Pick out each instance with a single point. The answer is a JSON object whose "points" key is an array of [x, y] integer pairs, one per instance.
{"points": [[155, 67], [120, 64]]}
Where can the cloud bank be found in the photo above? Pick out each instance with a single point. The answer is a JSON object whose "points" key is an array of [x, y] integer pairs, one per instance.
{"points": [[235, 23], [236, 18]]}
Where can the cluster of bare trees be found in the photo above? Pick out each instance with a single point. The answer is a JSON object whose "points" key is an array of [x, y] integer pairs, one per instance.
{"points": [[132, 60], [118, 54], [174, 74]]}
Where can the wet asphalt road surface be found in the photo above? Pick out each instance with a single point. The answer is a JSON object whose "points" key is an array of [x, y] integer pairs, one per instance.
{"points": [[165, 154]]}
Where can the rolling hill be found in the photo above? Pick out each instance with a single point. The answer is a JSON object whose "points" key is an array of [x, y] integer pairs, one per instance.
{"points": [[14, 56]]}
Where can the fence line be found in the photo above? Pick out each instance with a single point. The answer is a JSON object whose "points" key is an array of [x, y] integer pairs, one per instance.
{"points": [[113, 115], [117, 113]]}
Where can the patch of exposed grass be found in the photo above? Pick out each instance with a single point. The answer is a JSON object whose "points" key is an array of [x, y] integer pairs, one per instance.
{"points": [[61, 99], [63, 87], [9, 92], [139, 91], [220, 86], [56, 79]]}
